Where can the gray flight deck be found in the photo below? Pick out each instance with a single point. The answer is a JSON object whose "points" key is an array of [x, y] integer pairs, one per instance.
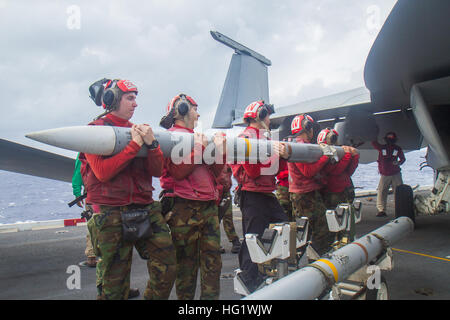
{"points": [[33, 264]]}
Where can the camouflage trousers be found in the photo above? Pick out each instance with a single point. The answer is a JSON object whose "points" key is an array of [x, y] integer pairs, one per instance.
{"points": [[283, 196], [333, 199], [312, 206], [227, 220], [196, 235], [89, 251], [114, 265]]}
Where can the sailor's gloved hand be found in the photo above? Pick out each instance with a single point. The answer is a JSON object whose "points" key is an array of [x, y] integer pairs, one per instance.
{"points": [[280, 149], [329, 151]]}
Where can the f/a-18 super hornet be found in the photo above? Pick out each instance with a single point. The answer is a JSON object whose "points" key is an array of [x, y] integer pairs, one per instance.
{"points": [[407, 90]]}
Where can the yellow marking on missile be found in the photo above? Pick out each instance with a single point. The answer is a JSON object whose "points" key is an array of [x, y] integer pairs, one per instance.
{"points": [[248, 149], [421, 254], [332, 267]]}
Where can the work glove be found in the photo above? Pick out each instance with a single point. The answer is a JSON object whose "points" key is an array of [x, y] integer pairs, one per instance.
{"points": [[329, 151]]}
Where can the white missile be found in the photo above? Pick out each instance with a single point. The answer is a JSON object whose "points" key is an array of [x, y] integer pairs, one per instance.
{"points": [[104, 140], [311, 281], [109, 140]]}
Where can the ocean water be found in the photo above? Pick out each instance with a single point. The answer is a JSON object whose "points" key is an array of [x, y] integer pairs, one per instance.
{"points": [[26, 198]]}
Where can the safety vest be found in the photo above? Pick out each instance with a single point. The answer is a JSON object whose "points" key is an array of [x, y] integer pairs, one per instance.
{"points": [[306, 177], [263, 183], [387, 154], [131, 185], [200, 184]]}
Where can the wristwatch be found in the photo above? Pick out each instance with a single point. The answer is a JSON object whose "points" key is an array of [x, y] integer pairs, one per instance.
{"points": [[153, 145]]}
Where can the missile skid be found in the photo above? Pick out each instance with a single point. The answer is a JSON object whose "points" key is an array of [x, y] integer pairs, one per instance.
{"points": [[274, 250], [367, 283], [285, 248], [342, 221]]}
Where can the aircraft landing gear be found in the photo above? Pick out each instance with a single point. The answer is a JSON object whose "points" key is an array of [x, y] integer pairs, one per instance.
{"points": [[438, 201], [404, 202]]}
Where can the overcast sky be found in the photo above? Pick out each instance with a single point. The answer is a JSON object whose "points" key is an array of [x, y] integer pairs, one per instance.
{"points": [[51, 51]]}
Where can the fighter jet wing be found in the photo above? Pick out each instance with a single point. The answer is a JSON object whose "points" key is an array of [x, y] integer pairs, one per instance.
{"points": [[357, 119], [23, 159], [328, 107]]}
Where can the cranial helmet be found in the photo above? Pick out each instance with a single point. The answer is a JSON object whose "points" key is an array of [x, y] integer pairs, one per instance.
{"points": [[327, 136], [390, 137], [114, 91], [107, 93], [301, 123], [258, 110], [178, 107]]}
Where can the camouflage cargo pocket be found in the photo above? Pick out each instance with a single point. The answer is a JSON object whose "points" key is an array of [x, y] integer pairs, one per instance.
{"points": [[107, 227]]}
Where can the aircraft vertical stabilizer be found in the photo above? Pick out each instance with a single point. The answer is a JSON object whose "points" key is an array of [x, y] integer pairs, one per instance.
{"points": [[246, 82]]}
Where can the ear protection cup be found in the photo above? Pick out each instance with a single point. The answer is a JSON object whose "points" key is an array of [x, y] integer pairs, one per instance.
{"points": [[262, 113], [306, 124], [109, 97], [183, 107], [333, 139], [179, 105]]}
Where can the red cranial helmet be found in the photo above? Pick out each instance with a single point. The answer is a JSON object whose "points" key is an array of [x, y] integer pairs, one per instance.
{"points": [[258, 110], [181, 103], [390, 137], [178, 106], [301, 123], [327, 136], [114, 90]]}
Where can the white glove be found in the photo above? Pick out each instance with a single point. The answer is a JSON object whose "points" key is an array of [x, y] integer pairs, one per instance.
{"points": [[329, 151]]}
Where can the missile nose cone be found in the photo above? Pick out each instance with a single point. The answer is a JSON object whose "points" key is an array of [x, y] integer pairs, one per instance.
{"points": [[31, 135], [88, 139]]}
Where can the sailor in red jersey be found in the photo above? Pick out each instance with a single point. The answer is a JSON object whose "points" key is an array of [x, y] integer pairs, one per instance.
{"points": [[258, 203], [390, 158], [191, 189], [121, 184], [305, 184], [339, 186]]}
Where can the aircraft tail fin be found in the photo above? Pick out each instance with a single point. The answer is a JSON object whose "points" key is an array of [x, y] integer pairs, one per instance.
{"points": [[246, 81]]}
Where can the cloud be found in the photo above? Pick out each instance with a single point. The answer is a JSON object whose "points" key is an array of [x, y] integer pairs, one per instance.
{"points": [[316, 48]]}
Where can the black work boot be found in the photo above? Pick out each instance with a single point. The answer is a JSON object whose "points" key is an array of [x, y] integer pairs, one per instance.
{"points": [[381, 214], [133, 293], [236, 246]]}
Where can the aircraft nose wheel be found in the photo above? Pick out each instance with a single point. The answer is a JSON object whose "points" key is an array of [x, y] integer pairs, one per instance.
{"points": [[381, 293]]}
